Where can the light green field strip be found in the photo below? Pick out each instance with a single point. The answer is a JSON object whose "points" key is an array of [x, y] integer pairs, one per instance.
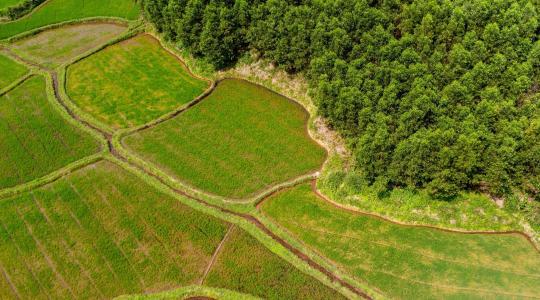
{"points": [[410, 262], [241, 139], [56, 11], [98, 233], [246, 266], [11, 71], [131, 83], [34, 138], [190, 292], [57, 46]]}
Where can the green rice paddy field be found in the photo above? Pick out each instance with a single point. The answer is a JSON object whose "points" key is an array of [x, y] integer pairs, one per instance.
{"points": [[35, 139], [244, 265], [100, 233], [242, 138], [410, 262], [131, 83], [56, 11], [54, 47], [11, 71]]}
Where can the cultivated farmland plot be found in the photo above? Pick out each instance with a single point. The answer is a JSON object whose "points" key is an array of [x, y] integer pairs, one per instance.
{"points": [[35, 139], [239, 140], [54, 47], [410, 262], [11, 71], [131, 83], [56, 11], [98, 233], [244, 265]]}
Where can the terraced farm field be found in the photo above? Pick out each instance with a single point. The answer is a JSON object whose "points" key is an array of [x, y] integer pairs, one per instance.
{"points": [[101, 232], [244, 265], [102, 222], [13, 71], [410, 262], [54, 47], [35, 139], [56, 11], [131, 83], [242, 138]]}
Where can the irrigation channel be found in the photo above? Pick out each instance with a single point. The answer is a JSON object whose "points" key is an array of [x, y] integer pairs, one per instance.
{"points": [[247, 217]]}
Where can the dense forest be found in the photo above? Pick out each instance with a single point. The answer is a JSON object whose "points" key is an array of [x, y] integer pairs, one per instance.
{"points": [[436, 94]]}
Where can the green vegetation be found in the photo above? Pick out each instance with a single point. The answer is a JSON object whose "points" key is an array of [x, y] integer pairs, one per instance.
{"points": [[440, 95], [35, 139], [8, 3], [100, 232], [410, 262], [14, 9], [131, 83], [244, 265], [192, 291], [11, 71], [242, 138], [56, 46], [469, 210], [57, 11]]}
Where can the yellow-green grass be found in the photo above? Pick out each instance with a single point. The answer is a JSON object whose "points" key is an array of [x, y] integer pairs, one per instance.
{"points": [[56, 46], [34, 138], [410, 262], [11, 71], [244, 265], [239, 140], [57, 11], [131, 83], [98, 233], [8, 3]]}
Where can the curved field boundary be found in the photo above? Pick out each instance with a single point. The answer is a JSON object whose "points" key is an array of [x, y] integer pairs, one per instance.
{"points": [[51, 177], [28, 63], [62, 78], [212, 85], [15, 84], [191, 292], [260, 230], [256, 228], [311, 109], [451, 230], [385, 219], [258, 196]]}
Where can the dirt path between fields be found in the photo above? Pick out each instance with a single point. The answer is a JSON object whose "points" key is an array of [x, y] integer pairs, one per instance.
{"points": [[216, 254], [23, 60]]}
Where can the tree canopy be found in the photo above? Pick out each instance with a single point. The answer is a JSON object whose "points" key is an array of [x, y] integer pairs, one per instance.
{"points": [[436, 94]]}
